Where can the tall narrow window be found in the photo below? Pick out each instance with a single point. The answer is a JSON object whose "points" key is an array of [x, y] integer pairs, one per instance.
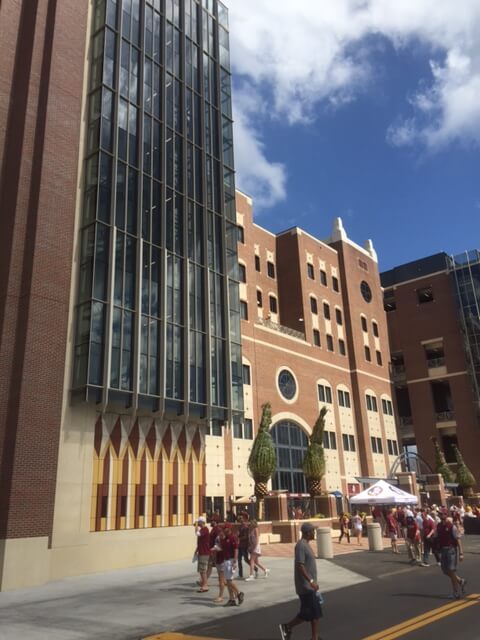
{"points": [[270, 269], [259, 298], [313, 305], [316, 337], [324, 393], [329, 342], [338, 316], [242, 272], [243, 310], [326, 311], [323, 277], [310, 271], [257, 263], [273, 304], [335, 284], [368, 355]]}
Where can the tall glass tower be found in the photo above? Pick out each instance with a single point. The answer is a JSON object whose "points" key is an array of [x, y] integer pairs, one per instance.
{"points": [[158, 313]]}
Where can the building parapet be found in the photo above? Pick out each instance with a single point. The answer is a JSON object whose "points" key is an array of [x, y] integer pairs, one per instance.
{"points": [[266, 322]]}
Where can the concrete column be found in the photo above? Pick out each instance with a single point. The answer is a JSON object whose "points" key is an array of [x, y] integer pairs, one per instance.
{"points": [[435, 486], [407, 480], [324, 543], [375, 539]]}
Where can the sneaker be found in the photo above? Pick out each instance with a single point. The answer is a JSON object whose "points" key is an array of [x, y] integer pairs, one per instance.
{"points": [[285, 631], [249, 579], [241, 597], [424, 564], [231, 603], [267, 571], [463, 583]]}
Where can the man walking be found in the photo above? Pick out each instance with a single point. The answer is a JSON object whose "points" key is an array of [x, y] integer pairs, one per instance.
{"points": [[306, 586], [229, 546], [450, 547], [203, 553], [243, 532]]}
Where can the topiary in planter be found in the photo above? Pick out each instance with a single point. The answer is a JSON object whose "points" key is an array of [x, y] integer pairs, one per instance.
{"points": [[314, 459]]}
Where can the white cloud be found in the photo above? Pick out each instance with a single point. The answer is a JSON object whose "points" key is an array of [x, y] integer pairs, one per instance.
{"points": [[308, 53], [265, 181]]}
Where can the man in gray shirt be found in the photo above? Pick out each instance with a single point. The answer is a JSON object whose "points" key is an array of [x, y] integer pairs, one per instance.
{"points": [[306, 586]]}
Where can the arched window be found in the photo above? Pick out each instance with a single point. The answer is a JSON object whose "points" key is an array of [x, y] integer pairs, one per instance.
{"points": [[290, 444]]}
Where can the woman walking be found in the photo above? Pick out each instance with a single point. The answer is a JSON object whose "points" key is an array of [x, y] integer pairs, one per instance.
{"points": [[254, 550], [391, 530], [344, 527], [357, 526]]}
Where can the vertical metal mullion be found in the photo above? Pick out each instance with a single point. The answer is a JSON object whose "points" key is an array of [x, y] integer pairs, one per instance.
{"points": [[139, 253], [163, 247], [186, 296], [107, 358], [208, 293], [226, 281]]}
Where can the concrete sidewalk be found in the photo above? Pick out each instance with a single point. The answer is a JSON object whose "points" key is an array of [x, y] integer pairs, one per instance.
{"points": [[135, 603]]}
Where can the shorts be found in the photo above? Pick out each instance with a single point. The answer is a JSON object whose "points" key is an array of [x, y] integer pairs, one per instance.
{"points": [[256, 550], [310, 607], [393, 535], [448, 559], [220, 567], [228, 569], [202, 564]]}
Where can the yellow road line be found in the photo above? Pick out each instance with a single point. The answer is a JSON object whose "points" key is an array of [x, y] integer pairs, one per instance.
{"points": [[169, 635], [426, 618]]}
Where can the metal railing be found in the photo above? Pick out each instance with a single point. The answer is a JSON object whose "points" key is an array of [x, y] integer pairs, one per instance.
{"points": [[445, 416], [265, 322], [398, 370], [433, 363]]}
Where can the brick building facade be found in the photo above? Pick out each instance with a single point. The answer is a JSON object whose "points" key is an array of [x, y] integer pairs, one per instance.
{"points": [[313, 319], [432, 311], [123, 414]]}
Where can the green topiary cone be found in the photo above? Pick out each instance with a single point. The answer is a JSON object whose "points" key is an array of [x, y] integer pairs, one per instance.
{"points": [[262, 461], [465, 477], [314, 459], [441, 464]]}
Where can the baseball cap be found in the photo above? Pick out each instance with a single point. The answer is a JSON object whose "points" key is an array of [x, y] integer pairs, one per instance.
{"points": [[201, 519], [307, 527]]}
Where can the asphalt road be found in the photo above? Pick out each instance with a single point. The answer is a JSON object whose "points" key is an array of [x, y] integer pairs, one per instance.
{"points": [[413, 600]]}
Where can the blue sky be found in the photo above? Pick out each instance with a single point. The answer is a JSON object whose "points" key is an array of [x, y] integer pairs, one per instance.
{"points": [[352, 109]]}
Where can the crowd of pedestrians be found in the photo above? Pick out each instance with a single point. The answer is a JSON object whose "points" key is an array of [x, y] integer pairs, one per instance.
{"points": [[429, 532], [224, 549]]}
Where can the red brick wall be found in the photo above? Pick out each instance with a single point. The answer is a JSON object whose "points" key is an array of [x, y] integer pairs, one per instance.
{"points": [[268, 351], [42, 52], [409, 325]]}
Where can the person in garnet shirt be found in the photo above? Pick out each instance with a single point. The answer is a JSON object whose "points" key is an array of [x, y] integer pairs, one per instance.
{"points": [[413, 540], [203, 553], [428, 531], [391, 528], [229, 546]]}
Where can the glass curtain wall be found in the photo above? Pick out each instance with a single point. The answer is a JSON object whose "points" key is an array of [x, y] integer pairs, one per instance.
{"points": [[465, 272], [158, 311]]}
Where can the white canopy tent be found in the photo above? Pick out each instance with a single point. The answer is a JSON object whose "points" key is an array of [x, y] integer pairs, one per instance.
{"points": [[383, 493]]}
